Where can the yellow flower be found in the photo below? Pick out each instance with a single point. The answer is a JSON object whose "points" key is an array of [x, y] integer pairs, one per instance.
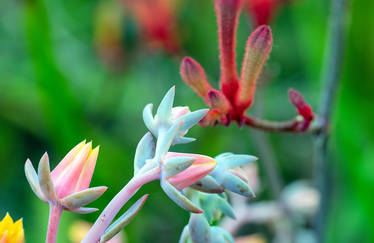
{"points": [[11, 232]]}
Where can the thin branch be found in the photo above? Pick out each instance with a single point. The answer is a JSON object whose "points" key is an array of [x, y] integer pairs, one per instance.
{"points": [[330, 79]]}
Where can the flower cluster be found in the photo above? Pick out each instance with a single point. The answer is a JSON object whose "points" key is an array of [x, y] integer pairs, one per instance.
{"points": [[11, 232], [237, 92]]}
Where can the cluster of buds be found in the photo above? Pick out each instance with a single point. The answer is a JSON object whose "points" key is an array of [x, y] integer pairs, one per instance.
{"points": [[262, 11], [178, 173], [10, 231], [67, 185], [237, 93]]}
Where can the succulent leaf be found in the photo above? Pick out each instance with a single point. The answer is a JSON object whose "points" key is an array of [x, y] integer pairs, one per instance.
{"points": [[176, 165], [144, 151], [81, 198], [45, 179], [33, 180]]}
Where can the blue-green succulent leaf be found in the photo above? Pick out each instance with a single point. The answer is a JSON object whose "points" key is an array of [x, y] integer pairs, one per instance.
{"points": [[164, 142], [192, 118], [182, 140], [199, 229], [179, 198], [176, 165], [208, 184], [144, 151], [222, 235], [148, 119], [124, 220], [184, 236], [164, 109], [234, 160], [235, 184]]}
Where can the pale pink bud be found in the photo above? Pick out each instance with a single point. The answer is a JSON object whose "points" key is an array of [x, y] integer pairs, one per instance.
{"points": [[201, 167], [179, 111], [74, 172]]}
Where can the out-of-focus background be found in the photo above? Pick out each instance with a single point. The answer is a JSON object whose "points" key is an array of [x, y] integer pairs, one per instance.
{"points": [[74, 70]]}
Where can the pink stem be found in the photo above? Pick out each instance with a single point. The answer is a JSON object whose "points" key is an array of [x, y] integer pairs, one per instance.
{"points": [[111, 210], [55, 212]]}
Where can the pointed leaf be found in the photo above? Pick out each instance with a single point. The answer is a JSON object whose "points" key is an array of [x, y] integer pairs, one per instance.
{"points": [[235, 184], [192, 118], [84, 210], [234, 160], [184, 236], [81, 198], [199, 229], [124, 220], [225, 207], [223, 234], [182, 140], [208, 184], [33, 180], [145, 150], [179, 198], [45, 179], [164, 142], [176, 165], [164, 109], [148, 119]]}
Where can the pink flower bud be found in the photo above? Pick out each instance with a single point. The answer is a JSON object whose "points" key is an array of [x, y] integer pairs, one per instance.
{"points": [[74, 172], [201, 167], [179, 111], [194, 76]]}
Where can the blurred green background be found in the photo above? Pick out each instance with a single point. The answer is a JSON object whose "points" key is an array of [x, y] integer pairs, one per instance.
{"points": [[60, 83]]}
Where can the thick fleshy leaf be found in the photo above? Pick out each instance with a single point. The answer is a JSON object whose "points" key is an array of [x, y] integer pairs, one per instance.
{"points": [[199, 229], [179, 198], [164, 109], [148, 119], [192, 118], [33, 180], [182, 140], [82, 198], [208, 184], [226, 236], [176, 165], [234, 160], [45, 179], [225, 207], [145, 150], [235, 184], [124, 220], [165, 140], [184, 236], [84, 210]]}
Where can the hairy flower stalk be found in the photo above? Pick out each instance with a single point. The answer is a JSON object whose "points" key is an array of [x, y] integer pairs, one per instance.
{"points": [[237, 94], [66, 187]]}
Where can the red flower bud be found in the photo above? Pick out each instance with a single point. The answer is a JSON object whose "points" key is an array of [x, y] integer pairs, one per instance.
{"points": [[194, 76], [303, 109], [217, 101]]}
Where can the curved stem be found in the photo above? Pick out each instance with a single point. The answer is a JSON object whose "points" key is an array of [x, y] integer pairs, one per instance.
{"points": [[111, 210], [272, 126], [55, 212]]}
